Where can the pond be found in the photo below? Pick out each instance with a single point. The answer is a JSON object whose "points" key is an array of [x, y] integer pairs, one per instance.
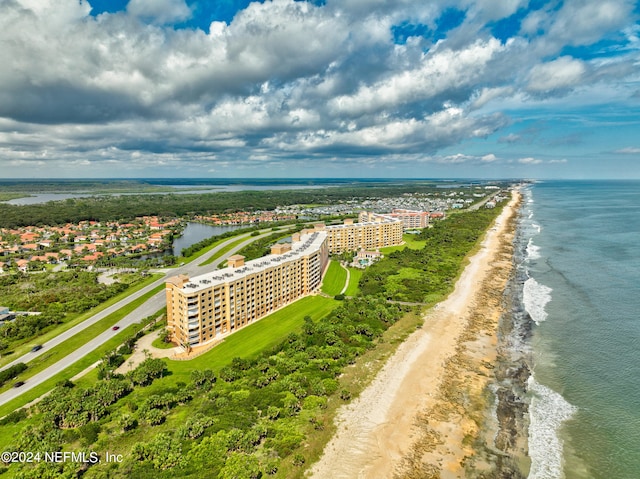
{"points": [[195, 232]]}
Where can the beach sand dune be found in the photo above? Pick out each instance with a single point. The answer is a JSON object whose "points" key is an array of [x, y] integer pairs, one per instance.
{"points": [[419, 416]]}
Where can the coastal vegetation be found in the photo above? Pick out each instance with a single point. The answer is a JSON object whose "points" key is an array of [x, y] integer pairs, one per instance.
{"points": [[428, 274], [54, 298]]}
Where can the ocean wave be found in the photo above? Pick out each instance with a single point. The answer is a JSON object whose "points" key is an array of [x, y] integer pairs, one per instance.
{"points": [[536, 226], [535, 297], [533, 251], [547, 412]]}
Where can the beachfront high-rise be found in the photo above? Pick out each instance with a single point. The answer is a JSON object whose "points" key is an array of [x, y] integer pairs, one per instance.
{"points": [[381, 231], [410, 218], [205, 307]]}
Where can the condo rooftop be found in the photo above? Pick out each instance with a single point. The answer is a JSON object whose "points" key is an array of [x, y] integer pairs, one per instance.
{"points": [[237, 268]]}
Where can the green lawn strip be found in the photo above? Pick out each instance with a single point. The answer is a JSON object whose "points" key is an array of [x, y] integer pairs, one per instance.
{"points": [[204, 250], [26, 347], [354, 278], [410, 241], [255, 338], [334, 279], [224, 250], [68, 373], [76, 341]]}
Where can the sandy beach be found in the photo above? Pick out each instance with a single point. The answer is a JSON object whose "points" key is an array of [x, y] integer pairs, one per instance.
{"points": [[427, 407]]}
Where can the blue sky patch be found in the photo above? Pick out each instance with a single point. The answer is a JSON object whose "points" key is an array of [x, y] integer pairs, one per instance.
{"points": [[405, 30], [450, 19]]}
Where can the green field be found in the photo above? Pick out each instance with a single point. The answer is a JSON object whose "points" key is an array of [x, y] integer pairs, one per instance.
{"points": [[223, 250], [354, 278], [410, 241], [251, 340], [334, 279]]}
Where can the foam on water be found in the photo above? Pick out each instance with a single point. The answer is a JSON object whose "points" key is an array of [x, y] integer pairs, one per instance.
{"points": [[533, 251], [535, 297], [547, 412]]}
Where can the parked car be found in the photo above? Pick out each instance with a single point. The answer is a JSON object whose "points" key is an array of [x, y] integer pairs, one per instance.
{"points": [[36, 348]]}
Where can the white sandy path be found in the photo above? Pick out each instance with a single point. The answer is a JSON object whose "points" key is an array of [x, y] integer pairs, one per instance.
{"points": [[374, 431], [144, 348]]}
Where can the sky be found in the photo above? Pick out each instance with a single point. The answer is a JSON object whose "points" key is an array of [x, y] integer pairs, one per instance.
{"points": [[326, 88]]}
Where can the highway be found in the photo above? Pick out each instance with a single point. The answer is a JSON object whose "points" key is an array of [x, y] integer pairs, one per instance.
{"points": [[148, 308]]}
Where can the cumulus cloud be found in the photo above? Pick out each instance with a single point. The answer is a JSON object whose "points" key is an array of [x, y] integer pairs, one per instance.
{"points": [[510, 138], [557, 75], [285, 80], [630, 150], [529, 161]]}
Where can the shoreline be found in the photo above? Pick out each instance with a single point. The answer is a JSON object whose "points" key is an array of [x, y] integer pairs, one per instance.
{"points": [[426, 410]]}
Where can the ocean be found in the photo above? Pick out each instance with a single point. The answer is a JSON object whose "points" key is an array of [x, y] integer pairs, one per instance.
{"points": [[580, 264]]}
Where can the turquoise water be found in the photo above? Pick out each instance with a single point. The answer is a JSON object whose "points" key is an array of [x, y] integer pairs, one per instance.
{"points": [[583, 291]]}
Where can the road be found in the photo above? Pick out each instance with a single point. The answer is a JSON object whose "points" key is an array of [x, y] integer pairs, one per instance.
{"points": [[148, 308], [482, 202]]}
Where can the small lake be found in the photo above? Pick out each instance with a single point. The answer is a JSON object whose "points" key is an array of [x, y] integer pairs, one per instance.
{"points": [[195, 232]]}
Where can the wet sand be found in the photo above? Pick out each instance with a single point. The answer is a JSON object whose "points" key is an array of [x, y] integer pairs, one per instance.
{"points": [[426, 411]]}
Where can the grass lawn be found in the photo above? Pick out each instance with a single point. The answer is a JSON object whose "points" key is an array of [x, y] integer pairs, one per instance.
{"points": [[28, 344], [73, 343], [249, 341], [197, 254], [160, 344], [410, 241], [335, 279], [354, 278], [224, 250]]}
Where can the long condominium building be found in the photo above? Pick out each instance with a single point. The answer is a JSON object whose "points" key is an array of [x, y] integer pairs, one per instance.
{"points": [[377, 233], [410, 218], [203, 308]]}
